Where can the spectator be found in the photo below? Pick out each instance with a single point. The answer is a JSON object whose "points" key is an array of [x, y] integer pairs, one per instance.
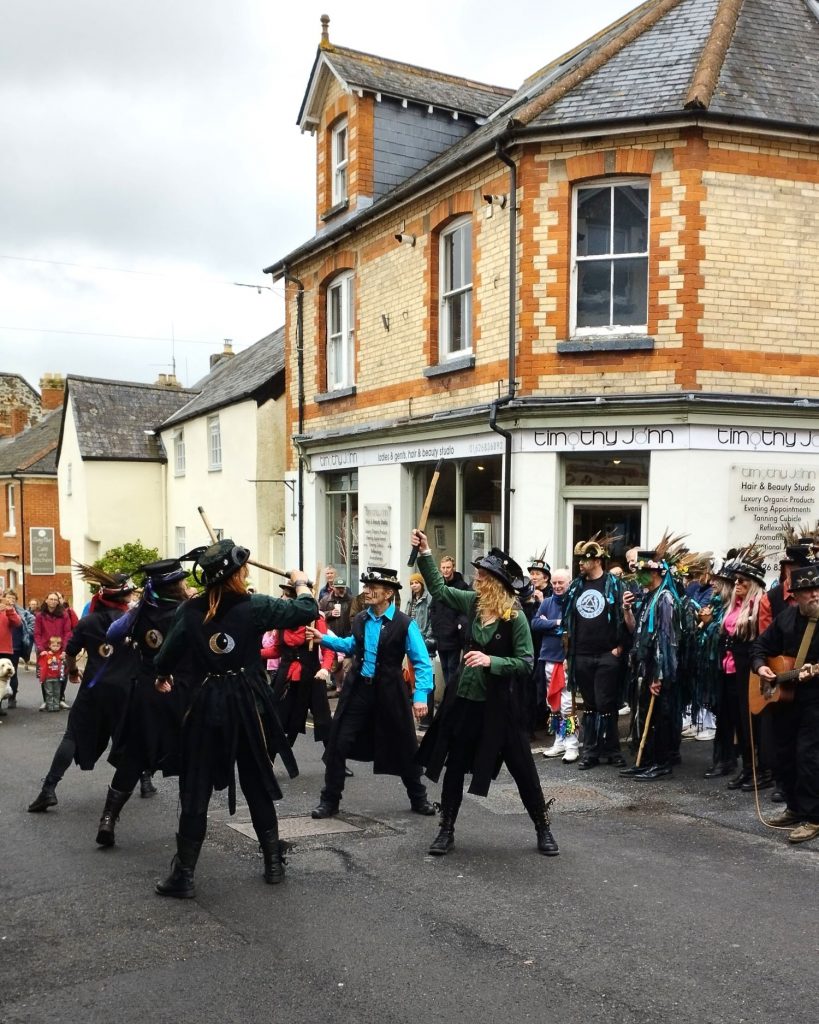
{"points": [[50, 671], [329, 577], [9, 621], [419, 610], [448, 624], [51, 620], [337, 607], [21, 640]]}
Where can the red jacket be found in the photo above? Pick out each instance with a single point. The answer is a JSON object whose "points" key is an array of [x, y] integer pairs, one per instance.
{"points": [[8, 622], [47, 625]]}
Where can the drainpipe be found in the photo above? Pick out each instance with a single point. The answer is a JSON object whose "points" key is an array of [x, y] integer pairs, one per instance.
{"points": [[300, 378], [502, 155], [23, 574]]}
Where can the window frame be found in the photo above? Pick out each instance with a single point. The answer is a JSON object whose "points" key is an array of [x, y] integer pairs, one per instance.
{"points": [[613, 330], [339, 180], [179, 541], [345, 282], [11, 511], [179, 459], [448, 294], [214, 444]]}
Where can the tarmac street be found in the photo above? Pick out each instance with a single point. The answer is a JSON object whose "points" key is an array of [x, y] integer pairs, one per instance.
{"points": [[669, 902]]}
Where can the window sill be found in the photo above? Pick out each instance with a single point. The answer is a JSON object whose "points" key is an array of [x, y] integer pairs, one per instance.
{"points": [[450, 366], [335, 210], [331, 396], [606, 343], [214, 469]]}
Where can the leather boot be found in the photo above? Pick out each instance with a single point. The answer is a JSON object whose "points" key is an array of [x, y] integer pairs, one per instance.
{"points": [[179, 882], [272, 850], [46, 798], [114, 802], [546, 843], [745, 775], [445, 840], [146, 785]]}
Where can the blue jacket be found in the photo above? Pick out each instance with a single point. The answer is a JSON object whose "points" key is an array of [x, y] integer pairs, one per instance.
{"points": [[548, 624]]}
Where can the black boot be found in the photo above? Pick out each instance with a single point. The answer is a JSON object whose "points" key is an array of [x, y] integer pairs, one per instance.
{"points": [[179, 882], [745, 775], [146, 786], [272, 850], [445, 839], [46, 798], [546, 843], [114, 802]]}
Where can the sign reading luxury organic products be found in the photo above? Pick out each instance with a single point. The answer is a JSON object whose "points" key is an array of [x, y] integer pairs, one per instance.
{"points": [[764, 500], [41, 550], [376, 534]]}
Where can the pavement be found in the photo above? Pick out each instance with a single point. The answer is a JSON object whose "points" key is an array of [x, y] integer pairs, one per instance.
{"points": [[669, 902]]}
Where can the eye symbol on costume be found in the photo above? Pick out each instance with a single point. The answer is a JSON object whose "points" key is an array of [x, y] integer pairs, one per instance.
{"points": [[221, 643], [153, 639], [105, 650]]}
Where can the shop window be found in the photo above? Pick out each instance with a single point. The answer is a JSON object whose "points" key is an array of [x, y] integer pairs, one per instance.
{"points": [[338, 161], [341, 491], [340, 332], [610, 258], [455, 275]]}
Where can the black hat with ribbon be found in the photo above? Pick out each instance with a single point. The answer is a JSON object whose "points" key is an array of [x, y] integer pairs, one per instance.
{"points": [[806, 577], [379, 576], [503, 567], [221, 560]]}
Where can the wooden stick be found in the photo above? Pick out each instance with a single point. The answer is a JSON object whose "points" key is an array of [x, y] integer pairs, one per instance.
{"points": [[259, 565], [639, 760], [422, 522], [311, 642]]}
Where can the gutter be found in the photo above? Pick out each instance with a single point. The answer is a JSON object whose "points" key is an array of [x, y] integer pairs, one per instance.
{"points": [[503, 156]]}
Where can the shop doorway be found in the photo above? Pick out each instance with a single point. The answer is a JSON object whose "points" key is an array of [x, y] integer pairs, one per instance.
{"points": [[623, 518]]}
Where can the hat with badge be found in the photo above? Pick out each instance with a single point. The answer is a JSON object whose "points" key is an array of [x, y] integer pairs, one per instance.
{"points": [[377, 575], [806, 577], [539, 562], [220, 561], [598, 546]]}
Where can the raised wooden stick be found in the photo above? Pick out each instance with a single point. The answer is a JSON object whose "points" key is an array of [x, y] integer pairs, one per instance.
{"points": [[259, 565], [422, 522], [650, 712]]}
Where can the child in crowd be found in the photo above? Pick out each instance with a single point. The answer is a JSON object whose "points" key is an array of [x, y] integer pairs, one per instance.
{"points": [[51, 672]]}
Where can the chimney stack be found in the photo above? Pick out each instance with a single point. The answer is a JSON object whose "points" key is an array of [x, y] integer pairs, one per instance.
{"points": [[226, 353], [52, 387], [19, 419]]}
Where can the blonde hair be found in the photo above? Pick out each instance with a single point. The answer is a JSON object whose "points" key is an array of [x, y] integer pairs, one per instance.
{"points": [[746, 627], [234, 584], [494, 600]]}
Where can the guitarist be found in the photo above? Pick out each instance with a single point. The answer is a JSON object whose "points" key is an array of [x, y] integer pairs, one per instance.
{"points": [[794, 633]]}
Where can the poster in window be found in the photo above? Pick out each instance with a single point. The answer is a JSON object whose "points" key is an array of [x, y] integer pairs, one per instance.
{"points": [[481, 539], [41, 549]]}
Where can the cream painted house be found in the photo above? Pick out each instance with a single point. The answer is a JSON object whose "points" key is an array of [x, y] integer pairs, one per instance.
{"points": [[111, 467], [226, 453]]}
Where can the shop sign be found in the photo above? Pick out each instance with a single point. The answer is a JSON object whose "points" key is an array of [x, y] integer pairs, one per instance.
{"points": [[397, 454], [376, 534], [41, 550]]}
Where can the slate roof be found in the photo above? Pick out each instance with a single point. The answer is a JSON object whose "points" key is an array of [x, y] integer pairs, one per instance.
{"points": [[237, 378], [34, 450], [111, 417], [370, 73], [760, 62]]}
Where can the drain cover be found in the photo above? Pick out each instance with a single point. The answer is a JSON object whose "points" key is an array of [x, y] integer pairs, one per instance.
{"points": [[300, 827]]}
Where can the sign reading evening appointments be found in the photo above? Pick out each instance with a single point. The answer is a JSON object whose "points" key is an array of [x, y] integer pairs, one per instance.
{"points": [[41, 550], [376, 534], [764, 500]]}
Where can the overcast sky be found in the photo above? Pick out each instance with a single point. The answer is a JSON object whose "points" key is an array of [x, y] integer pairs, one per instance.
{"points": [[150, 159]]}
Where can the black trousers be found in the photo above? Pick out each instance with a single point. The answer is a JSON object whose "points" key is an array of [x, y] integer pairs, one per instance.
{"points": [[796, 737], [516, 754], [598, 677], [359, 712], [259, 802], [728, 728], [63, 756]]}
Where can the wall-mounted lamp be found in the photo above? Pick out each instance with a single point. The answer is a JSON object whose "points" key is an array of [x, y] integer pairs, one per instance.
{"points": [[385, 320], [615, 462], [404, 238]]}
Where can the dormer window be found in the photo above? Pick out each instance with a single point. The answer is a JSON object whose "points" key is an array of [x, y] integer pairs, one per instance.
{"points": [[338, 161]]}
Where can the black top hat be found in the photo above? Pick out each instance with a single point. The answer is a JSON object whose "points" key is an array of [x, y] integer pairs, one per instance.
{"points": [[796, 554], [806, 577], [166, 570], [222, 560], [379, 575], [498, 564]]}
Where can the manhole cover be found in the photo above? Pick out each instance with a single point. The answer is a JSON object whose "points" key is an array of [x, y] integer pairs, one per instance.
{"points": [[300, 827], [504, 798]]}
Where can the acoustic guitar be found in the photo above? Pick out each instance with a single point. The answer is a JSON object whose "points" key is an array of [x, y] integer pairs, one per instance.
{"points": [[763, 693]]}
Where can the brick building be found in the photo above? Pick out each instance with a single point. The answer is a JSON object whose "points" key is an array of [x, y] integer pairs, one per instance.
{"points": [[596, 297], [33, 557]]}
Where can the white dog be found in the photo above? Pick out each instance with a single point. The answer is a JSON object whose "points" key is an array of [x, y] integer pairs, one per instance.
{"points": [[6, 672]]}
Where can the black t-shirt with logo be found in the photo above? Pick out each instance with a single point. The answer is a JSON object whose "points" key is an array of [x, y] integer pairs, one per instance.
{"points": [[593, 632]]}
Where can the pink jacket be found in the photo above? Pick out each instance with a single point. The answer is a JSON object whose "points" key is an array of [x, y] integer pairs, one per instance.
{"points": [[47, 625]]}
